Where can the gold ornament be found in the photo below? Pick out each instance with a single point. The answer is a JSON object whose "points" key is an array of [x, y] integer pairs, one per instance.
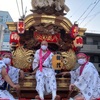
{"points": [[69, 59], [22, 58]]}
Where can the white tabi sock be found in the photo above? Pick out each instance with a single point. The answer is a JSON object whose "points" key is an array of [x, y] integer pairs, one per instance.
{"points": [[54, 94], [41, 95]]}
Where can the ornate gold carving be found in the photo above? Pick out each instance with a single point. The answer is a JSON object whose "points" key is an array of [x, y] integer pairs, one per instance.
{"points": [[27, 84], [11, 26], [28, 18], [82, 31], [22, 58], [29, 24], [67, 21], [64, 26], [44, 20], [69, 59], [63, 82], [46, 16]]}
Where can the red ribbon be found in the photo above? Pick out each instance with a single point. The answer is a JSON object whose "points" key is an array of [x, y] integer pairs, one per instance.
{"points": [[82, 67]]}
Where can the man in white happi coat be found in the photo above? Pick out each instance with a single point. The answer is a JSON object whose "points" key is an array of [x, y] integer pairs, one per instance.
{"points": [[45, 74], [12, 75], [86, 79]]}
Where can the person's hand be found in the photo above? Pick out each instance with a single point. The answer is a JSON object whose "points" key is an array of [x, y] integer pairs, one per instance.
{"points": [[33, 73], [71, 87], [65, 73], [16, 87], [22, 74]]}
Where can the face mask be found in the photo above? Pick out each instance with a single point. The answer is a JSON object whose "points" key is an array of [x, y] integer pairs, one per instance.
{"points": [[43, 47], [7, 60], [81, 61]]}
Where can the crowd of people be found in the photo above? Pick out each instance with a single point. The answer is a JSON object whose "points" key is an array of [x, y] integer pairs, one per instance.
{"points": [[85, 77]]}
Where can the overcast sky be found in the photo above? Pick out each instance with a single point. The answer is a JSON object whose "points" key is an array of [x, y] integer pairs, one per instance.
{"points": [[90, 8]]}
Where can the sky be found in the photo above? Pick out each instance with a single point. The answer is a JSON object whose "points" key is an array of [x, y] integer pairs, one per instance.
{"points": [[85, 12]]}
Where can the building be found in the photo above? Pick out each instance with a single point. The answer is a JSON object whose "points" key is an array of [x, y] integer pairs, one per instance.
{"points": [[4, 32], [1, 35], [92, 48]]}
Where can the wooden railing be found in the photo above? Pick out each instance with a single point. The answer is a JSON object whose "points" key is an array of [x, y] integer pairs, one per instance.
{"points": [[29, 83]]}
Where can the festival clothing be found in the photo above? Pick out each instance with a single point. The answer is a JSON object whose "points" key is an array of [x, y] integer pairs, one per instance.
{"points": [[13, 74], [87, 80], [46, 81]]}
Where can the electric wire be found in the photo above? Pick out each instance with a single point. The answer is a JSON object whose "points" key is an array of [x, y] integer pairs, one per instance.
{"points": [[90, 11], [18, 8], [95, 15], [77, 11], [85, 11]]}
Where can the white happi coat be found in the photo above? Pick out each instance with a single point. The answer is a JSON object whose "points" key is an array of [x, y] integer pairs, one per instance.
{"points": [[46, 81], [13, 74], [88, 82]]}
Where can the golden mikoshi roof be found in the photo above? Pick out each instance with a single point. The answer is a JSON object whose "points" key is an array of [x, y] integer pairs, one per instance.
{"points": [[34, 19]]}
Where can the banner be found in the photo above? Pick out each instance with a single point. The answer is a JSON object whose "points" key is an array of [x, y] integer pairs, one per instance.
{"points": [[47, 37]]}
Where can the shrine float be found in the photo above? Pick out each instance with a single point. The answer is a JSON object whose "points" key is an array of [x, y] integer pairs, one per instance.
{"points": [[47, 22]]}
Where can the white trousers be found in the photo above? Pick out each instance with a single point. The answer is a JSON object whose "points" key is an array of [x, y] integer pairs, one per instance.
{"points": [[46, 81], [4, 94]]}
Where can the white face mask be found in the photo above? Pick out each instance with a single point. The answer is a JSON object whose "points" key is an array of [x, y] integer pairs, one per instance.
{"points": [[7, 60], [43, 47], [81, 61]]}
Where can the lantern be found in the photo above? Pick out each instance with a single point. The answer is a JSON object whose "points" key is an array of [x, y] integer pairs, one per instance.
{"points": [[74, 30], [14, 39], [78, 42], [20, 27]]}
